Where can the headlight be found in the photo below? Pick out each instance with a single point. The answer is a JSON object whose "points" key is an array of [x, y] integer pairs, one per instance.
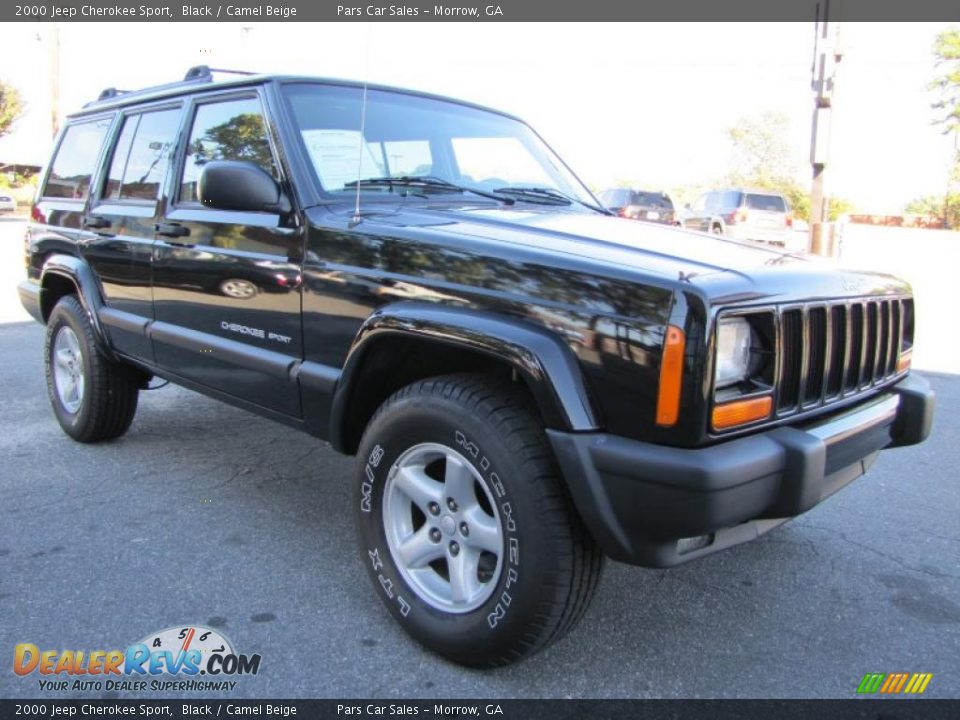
{"points": [[734, 340]]}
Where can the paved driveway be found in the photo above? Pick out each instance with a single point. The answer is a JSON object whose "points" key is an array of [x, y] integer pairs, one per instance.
{"points": [[205, 514]]}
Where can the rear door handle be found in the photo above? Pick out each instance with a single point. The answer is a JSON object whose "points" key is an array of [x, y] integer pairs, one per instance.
{"points": [[95, 222], [172, 230]]}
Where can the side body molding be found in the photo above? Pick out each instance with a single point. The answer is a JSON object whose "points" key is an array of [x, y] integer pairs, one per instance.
{"points": [[547, 365]]}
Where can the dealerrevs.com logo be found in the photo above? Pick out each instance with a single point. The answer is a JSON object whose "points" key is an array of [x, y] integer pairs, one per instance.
{"points": [[175, 659]]}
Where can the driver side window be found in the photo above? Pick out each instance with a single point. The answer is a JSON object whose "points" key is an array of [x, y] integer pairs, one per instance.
{"points": [[228, 130]]}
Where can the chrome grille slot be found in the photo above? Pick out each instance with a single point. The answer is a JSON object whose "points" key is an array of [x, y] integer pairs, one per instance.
{"points": [[895, 335], [883, 347], [816, 343], [869, 345], [791, 350], [838, 348], [855, 359]]}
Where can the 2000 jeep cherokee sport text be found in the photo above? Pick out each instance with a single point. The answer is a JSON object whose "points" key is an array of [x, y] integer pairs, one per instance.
{"points": [[528, 384]]}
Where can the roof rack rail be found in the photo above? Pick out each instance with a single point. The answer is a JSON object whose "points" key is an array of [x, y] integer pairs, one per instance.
{"points": [[110, 92], [205, 72], [196, 74]]}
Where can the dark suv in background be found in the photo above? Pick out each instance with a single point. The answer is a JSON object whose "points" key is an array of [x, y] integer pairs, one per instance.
{"points": [[528, 384], [640, 205]]}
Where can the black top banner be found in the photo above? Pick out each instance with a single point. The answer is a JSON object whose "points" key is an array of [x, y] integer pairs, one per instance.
{"points": [[247, 11]]}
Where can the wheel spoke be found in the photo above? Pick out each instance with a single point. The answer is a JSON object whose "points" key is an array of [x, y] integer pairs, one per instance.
{"points": [[70, 389], [418, 486], [464, 583], [70, 340], [458, 482], [63, 358], [418, 550], [483, 531]]}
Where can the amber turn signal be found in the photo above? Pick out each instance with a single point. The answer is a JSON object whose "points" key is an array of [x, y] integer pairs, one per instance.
{"points": [[741, 412], [671, 375], [903, 362]]}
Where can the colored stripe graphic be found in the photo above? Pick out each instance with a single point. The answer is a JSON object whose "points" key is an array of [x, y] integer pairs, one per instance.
{"points": [[871, 682], [894, 683]]}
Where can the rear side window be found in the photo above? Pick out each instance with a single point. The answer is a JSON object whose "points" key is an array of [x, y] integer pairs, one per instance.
{"points": [[229, 130], [615, 198], [730, 199], [770, 203], [76, 160], [142, 155]]}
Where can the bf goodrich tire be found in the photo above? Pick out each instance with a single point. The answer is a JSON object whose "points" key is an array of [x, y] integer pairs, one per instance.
{"points": [[93, 398], [467, 531]]}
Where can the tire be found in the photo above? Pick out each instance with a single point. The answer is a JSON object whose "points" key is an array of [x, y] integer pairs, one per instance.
{"points": [[526, 568], [105, 400], [716, 230]]}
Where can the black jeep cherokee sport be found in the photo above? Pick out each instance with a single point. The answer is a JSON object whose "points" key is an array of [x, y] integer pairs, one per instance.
{"points": [[528, 384]]}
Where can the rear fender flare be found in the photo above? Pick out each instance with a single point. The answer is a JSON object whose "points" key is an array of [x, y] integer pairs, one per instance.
{"points": [[78, 272]]}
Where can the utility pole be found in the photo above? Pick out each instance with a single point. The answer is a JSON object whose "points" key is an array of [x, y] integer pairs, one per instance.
{"points": [[826, 55], [55, 79], [950, 177]]}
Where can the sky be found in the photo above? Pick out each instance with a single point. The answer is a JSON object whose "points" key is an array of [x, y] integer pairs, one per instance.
{"points": [[644, 103]]}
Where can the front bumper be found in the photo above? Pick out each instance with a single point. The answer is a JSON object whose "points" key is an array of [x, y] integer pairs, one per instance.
{"points": [[660, 506], [779, 237]]}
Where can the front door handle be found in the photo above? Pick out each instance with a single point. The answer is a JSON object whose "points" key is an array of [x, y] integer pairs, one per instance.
{"points": [[172, 230]]}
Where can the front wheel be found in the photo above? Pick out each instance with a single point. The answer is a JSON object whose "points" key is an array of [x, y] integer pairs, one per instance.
{"points": [[93, 397], [468, 532]]}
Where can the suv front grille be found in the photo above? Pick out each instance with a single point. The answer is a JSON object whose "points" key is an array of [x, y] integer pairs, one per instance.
{"points": [[837, 349]]}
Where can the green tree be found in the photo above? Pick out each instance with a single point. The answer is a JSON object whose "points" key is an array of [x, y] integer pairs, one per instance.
{"points": [[933, 205], [11, 107], [946, 51], [761, 156], [763, 159]]}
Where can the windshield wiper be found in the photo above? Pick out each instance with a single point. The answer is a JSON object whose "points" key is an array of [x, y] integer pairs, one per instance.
{"points": [[425, 182], [548, 194]]}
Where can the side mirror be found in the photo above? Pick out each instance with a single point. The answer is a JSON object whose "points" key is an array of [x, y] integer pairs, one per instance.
{"points": [[243, 186]]}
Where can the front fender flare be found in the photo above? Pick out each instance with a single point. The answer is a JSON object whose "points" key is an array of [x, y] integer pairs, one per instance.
{"points": [[547, 365]]}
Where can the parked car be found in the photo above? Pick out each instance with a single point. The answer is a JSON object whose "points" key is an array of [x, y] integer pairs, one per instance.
{"points": [[639, 205], [528, 383], [7, 204], [757, 215]]}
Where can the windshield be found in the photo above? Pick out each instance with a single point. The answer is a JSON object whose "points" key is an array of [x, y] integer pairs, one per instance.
{"points": [[407, 136], [657, 200]]}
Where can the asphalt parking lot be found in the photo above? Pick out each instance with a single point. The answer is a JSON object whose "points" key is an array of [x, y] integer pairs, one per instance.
{"points": [[203, 514], [206, 514]]}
